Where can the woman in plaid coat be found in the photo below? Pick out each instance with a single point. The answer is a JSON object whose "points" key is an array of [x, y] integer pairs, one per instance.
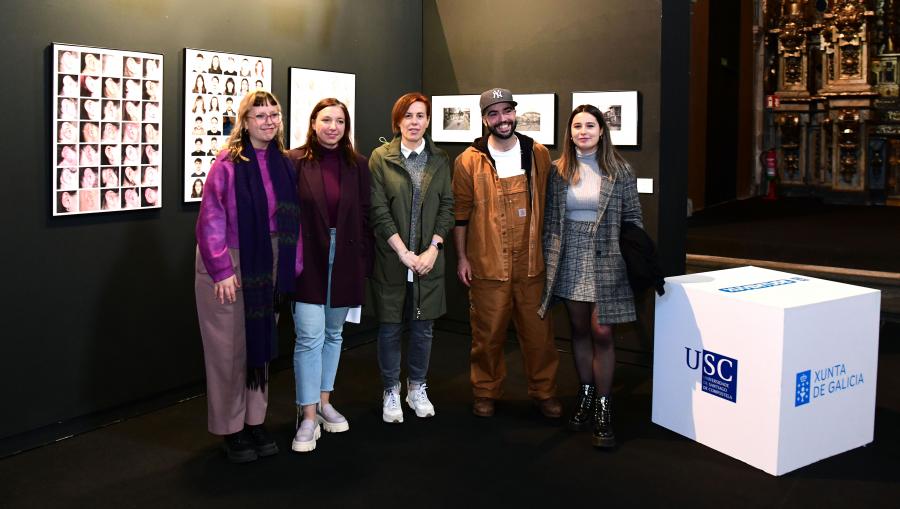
{"points": [[589, 196]]}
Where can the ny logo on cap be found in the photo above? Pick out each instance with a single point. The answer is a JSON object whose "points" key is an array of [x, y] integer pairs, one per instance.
{"points": [[498, 94]]}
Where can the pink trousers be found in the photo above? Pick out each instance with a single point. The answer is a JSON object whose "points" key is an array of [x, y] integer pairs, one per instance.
{"points": [[230, 404]]}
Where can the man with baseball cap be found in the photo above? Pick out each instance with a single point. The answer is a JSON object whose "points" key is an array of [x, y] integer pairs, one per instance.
{"points": [[498, 186]]}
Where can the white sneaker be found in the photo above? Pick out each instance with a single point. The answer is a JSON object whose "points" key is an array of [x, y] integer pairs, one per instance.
{"points": [[305, 439], [417, 399], [331, 420], [391, 411]]}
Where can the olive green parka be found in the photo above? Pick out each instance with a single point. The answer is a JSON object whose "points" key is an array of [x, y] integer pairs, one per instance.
{"points": [[390, 214]]}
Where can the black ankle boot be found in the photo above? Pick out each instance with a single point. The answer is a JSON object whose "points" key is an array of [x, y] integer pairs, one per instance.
{"points": [[603, 435], [584, 406], [262, 441], [239, 447]]}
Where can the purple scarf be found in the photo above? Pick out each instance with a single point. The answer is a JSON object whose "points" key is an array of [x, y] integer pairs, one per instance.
{"points": [[259, 288]]}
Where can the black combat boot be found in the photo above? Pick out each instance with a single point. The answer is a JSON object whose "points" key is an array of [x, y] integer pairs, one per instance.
{"points": [[584, 406], [603, 435], [239, 447], [262, 441]]}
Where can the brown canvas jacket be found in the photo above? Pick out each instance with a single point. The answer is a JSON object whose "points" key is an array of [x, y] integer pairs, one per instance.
{"points": [[477, 206]]}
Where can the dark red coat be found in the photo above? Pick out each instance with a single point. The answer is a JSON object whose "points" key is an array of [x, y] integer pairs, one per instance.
{"points": [[353, 245]]}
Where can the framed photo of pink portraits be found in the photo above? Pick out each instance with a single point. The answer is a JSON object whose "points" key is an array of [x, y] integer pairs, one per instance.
{"points": [[214, 84], [107, 129]]}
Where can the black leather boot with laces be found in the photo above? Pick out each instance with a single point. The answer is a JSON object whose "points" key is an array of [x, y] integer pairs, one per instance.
{"points": [[603, 435], [584, 406]]}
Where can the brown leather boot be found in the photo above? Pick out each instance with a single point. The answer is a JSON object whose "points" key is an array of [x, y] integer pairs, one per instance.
{"points": [[483, 407], [550, 408]]}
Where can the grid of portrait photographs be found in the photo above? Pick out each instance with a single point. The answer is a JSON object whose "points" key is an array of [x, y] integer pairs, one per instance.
{"points": [[214, 84], [107, 130]]}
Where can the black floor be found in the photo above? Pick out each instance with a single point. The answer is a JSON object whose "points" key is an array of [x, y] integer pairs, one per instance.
{"points": [[516, 459], [799, 230]]}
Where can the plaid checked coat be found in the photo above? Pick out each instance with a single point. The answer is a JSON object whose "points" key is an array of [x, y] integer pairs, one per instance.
{"points": [[618, 203]]}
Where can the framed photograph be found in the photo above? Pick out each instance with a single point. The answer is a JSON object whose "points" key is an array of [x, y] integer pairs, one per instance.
{"points": [[107, 130], [214, 84], [308, 87], [620, 109], [536, 116], [455, 118]]}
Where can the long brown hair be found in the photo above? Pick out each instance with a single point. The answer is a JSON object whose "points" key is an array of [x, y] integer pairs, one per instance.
{"points": [[312, 149], [239, 138], [608, 158]]}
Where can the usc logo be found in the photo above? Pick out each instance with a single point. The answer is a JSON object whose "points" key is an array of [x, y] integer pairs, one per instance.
{"points": [[715, 365]]}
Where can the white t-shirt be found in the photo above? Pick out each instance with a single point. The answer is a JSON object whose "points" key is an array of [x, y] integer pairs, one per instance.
{"points": [[509, 162]]}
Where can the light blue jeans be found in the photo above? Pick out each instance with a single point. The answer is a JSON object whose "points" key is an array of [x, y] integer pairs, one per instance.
{"points": [[317, 349]]}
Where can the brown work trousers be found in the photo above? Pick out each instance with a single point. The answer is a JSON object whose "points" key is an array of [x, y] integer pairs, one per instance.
{"points": [[493, 303]]}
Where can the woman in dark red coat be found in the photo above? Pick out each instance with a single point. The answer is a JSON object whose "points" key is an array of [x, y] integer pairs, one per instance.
{"points": [[333, 184]]}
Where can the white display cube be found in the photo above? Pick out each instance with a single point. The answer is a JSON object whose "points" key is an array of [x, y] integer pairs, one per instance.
{"points": [[774, 369]]}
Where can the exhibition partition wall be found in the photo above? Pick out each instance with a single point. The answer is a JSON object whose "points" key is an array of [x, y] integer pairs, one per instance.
{"points": [[579, 45], [99, 309], [543, 47]]}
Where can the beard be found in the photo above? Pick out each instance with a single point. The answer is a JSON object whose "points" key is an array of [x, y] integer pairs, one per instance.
{"points": [[512, 131]]}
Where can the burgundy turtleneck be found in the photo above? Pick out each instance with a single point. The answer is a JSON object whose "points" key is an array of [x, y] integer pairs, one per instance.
{"points": [[331, 180]]}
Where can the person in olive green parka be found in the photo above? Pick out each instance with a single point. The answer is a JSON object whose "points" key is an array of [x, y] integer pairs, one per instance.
{"points": [[411, 215]]}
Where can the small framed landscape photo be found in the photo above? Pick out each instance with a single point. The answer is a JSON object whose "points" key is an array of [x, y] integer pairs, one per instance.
{"points": [[455, 118], [620, 110], [536, 116]]}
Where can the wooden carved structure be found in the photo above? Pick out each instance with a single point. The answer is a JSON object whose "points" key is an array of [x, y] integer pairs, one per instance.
{"points": [[834, 67]]}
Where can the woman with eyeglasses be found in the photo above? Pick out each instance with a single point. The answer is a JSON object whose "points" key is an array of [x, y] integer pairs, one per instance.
{"points": [[248, 256], [333, 185]]}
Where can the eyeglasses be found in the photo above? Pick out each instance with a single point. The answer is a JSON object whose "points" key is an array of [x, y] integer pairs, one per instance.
{"points": [[262, 117]]}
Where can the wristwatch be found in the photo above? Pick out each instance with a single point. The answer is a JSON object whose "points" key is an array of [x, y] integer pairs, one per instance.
{"points": [[438, 245]]}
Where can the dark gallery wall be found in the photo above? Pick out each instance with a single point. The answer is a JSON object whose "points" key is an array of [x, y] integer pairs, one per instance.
{"points": [[99, 309], [562, 47]]}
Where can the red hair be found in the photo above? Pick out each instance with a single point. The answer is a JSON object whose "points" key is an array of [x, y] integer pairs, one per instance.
{"points": [[402, 106]]}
